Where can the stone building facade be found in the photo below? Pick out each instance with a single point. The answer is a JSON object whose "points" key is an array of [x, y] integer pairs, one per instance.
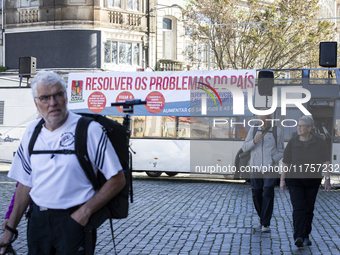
{"points": [[76, 34]]}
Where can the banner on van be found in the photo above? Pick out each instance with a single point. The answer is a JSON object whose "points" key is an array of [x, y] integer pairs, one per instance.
{"points": [[173, 93]]}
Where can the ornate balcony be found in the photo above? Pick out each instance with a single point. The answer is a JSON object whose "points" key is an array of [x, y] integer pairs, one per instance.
{"points": [[115, 17], [123, 18], [28, 15], [170, 65], [133, 19]]}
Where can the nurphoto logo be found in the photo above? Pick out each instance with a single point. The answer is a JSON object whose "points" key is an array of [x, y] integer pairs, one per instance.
{"points": [[239, 99]]}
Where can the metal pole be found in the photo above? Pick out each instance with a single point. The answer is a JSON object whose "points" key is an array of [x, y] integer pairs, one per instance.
{"points": [[147, 51], [209, 48], [3, 32]]}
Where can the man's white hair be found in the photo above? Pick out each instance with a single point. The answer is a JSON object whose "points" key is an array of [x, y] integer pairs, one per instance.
{"points": [[47, 78]]}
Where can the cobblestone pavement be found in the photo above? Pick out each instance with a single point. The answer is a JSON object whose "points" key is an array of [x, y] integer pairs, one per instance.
{"points": [[195, 216]]}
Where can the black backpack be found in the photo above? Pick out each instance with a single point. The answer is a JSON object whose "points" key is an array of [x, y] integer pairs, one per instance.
{"points": [[117, 207], [242, 158]]}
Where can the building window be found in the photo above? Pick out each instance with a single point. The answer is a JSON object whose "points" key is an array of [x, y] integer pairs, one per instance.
{"points": [[189, 50], [202, 51], [136, 54], [167, 24], [205, 53], [114, 3], [29, 3], [122, 53], [153, 126], [129, 53], [2, 105], [132, 5], [189, 30], [168, 39], [110, 52]]}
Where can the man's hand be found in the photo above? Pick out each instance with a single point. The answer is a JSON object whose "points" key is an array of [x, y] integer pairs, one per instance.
{"points": [[282, 185], [258, 138], [21, 202], [327, 177], [111, 188], [81, 216], [4, 224], [5, 239], [328, 186]]}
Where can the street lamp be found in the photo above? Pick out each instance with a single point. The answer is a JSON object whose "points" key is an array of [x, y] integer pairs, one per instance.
{"points": [[164, 7]]}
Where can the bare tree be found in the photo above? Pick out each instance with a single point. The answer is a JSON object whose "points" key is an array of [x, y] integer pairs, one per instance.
{"points": [[255, 34]]}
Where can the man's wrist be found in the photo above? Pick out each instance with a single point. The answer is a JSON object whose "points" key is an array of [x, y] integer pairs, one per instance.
{"points": [[13, 230]]}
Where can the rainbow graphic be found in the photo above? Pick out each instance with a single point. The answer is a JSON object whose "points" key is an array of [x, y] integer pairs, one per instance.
{"points": [[209, 93]]}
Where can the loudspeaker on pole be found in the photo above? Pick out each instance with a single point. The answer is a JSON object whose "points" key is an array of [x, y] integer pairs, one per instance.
{"points": [[265, 82], [27, 66], [328, 54]]}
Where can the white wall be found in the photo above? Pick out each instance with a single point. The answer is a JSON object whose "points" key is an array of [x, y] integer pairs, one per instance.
{"points": [[19, 110]]}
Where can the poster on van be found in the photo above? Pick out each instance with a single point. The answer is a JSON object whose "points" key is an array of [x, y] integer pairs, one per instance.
{"points": [[171, 93]]}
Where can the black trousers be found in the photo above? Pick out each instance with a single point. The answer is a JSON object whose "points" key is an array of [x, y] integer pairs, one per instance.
{"points": [[263, 198], [54, 232], [303, 200]]}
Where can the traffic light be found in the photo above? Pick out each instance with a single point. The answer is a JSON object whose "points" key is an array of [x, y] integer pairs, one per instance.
{"points": [[265, 82]]}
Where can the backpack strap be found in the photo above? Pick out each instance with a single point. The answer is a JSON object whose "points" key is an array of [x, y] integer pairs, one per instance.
{"points": [[80, 144], [254, 132], [65, 152], [34, 137], [274, 133]]}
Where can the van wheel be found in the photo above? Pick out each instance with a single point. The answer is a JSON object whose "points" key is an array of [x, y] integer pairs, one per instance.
{"points": [[171, 173], [153, 174]]}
